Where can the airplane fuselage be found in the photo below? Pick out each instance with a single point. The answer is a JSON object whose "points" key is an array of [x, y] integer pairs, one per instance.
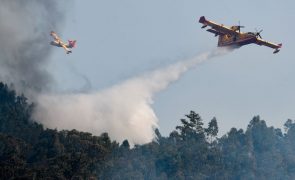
{"points": [[61, 44], [55, 43], [239, 40]]}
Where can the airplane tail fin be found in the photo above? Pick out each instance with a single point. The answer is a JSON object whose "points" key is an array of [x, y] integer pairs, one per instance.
{"points": [[72, 43], [202, 19], [280, 45], [278, 49]]}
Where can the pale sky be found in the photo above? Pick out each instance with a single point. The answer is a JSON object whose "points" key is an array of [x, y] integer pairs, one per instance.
{"points": [[120, 39]]}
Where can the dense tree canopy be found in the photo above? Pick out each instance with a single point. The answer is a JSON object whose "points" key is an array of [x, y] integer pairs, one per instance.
{"points": [[191, 151]]}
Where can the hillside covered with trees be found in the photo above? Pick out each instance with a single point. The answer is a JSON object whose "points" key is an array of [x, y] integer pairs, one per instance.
{"points": [[191, 151]]}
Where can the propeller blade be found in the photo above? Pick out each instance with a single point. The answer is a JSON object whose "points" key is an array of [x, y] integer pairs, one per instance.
{"points": [[258, 33]]}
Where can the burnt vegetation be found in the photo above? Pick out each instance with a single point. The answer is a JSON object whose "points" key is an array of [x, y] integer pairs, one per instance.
{"points": [[191, 151]]}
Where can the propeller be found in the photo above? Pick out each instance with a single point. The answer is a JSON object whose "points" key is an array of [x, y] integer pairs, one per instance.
{"points": [[239, 27], [257, 34]]}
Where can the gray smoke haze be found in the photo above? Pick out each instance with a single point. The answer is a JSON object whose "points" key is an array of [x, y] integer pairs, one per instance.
{"points": [[24, 38], [124, 110]]}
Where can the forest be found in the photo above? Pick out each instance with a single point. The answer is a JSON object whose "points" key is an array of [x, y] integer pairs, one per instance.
{"points": [[191, 151]]}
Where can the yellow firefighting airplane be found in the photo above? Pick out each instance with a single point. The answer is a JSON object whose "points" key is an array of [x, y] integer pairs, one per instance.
{"points": [[58, 42], [232, 36]]}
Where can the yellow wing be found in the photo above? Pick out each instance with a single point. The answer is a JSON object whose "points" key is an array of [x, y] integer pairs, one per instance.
{"points": [[268, 44], [54, 35], [216, 28]]}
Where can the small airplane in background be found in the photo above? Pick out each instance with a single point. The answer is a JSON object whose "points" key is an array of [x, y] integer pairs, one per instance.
{"points": [[59, 43], [232, 36]]}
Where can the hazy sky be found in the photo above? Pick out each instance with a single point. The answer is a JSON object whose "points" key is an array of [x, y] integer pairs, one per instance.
{"points": [[117, 40]]}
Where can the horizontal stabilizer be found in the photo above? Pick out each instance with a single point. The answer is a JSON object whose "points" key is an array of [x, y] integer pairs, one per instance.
{"points": [[276, 51]]}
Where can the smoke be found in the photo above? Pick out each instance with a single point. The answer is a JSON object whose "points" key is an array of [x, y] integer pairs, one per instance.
{"points": [[124, 110], [24, 38]]}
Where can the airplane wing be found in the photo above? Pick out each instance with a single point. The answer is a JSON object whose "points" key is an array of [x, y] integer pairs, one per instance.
{"points": [[269, 44], [65, 48], [54, 35], [59, 42], [220, 29], [215, 32]]}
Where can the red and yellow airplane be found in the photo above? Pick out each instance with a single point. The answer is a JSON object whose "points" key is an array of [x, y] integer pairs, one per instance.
{"points": [[232, 36], [58, 42]]}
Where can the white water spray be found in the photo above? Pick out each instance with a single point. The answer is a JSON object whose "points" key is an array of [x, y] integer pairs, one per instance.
{"points": [[124, 110]]}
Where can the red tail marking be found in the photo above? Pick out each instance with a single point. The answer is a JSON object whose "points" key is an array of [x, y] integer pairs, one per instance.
{"points": [[72, 43], [280, 45], [202, 19]]}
